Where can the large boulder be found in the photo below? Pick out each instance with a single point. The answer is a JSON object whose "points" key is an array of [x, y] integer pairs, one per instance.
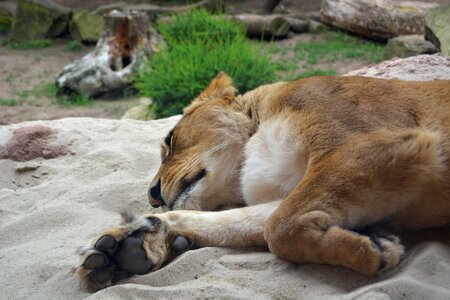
{"points": [[377, 19], [86, 26], [39, 19], [418, 68], [437, 28], [408, 45]]}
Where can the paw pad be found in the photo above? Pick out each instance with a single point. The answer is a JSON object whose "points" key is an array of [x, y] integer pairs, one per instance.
{"points": [[131, 257]]}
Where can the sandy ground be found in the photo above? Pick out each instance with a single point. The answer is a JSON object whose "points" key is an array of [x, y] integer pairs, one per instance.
{"points": [[50, 207]]}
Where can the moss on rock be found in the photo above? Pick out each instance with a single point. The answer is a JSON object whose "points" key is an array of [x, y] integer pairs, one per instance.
{"points": [[39, 19], [86, 26], [437, 28]]}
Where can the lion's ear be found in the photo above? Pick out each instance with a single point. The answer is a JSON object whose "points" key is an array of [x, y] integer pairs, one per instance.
{"points": [[220, 87]]}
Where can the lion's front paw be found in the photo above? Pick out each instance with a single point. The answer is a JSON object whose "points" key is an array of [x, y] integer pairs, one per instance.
{"points": [[138, 246]]}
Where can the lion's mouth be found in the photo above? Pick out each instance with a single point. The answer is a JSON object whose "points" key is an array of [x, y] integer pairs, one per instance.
{"points": [[187, 186]]}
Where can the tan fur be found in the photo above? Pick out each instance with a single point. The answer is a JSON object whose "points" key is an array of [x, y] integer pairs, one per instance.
{"points": [[360, 152]]}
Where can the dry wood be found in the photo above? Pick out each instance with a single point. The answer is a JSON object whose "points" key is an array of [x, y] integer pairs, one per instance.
{"points": [[379, 19], [127, 39], [266, 26]]}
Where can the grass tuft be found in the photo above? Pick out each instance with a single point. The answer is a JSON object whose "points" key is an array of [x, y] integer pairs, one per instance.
{"points": [[77, 100], [74, 46], [200, 46], [36, 44], [8, 102], [336, 45]]}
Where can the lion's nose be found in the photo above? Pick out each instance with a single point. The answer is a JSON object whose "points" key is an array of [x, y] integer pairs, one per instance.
{"points": [[154, 195]]}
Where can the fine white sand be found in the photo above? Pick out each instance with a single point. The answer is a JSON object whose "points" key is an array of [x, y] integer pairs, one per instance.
{"points": [[50, 207]]}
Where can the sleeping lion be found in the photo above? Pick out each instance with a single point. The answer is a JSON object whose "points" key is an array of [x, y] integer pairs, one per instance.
{"points": [[310, 169]]}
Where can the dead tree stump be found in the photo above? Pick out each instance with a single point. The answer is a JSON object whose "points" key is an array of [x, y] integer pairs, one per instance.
{"points": [[126, 41]]}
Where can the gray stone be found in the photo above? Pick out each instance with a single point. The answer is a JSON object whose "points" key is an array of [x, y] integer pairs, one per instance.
{"points": [[408, 45], [140, 112], [39, 19], [437, 27]]}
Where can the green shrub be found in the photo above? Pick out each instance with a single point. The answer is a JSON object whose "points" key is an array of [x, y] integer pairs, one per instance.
{"points": [[198, 25], [199, 47]]}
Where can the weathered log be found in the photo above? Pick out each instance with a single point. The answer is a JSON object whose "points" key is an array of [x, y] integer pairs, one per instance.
{"points": [[298, 25], [266, 26], [270, 5], [263, 26], [377, 19], [127, 39]]}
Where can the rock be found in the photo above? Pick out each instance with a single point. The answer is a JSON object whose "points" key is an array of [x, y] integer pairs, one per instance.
{"points": [[437, 28], [22, 167], [140, 112], [408, 45], [380, 19], [125, 43], [419, 68], [5, 20], [86, 26], [39, 19]]}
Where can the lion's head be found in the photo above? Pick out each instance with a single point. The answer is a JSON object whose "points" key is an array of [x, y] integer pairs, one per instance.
{"points": [[201, 155]]}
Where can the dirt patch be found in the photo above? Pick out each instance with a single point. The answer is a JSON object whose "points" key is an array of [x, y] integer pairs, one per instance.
{"points": [[31, 142]]}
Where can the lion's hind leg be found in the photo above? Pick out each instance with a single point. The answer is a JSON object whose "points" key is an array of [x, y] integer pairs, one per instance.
{"points": [[370, 180]]}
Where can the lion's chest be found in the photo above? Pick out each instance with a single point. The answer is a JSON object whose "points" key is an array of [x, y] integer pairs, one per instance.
{"points": [[275, 161]]}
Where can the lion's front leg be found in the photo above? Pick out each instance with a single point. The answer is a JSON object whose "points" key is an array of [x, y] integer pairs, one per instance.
{"points": [[142, 244]]}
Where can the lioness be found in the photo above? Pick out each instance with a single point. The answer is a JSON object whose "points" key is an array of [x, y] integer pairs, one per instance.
{"points": [[314, 162]]}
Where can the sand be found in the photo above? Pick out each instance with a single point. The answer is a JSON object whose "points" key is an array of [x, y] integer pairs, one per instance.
{"points": [[51, 206]]}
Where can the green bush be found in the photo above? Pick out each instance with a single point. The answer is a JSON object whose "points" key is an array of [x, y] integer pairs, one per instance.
{"points": [[199, 47], [199, 25]]}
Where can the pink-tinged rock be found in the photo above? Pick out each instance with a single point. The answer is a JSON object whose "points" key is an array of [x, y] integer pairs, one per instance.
{"points": [[416, 68]]}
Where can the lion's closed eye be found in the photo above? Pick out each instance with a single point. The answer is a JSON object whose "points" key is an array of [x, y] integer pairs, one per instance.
{"points": [[186, 183]]}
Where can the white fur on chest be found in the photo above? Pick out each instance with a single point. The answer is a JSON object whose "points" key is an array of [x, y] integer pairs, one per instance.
{"points": [[275, 162]]}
